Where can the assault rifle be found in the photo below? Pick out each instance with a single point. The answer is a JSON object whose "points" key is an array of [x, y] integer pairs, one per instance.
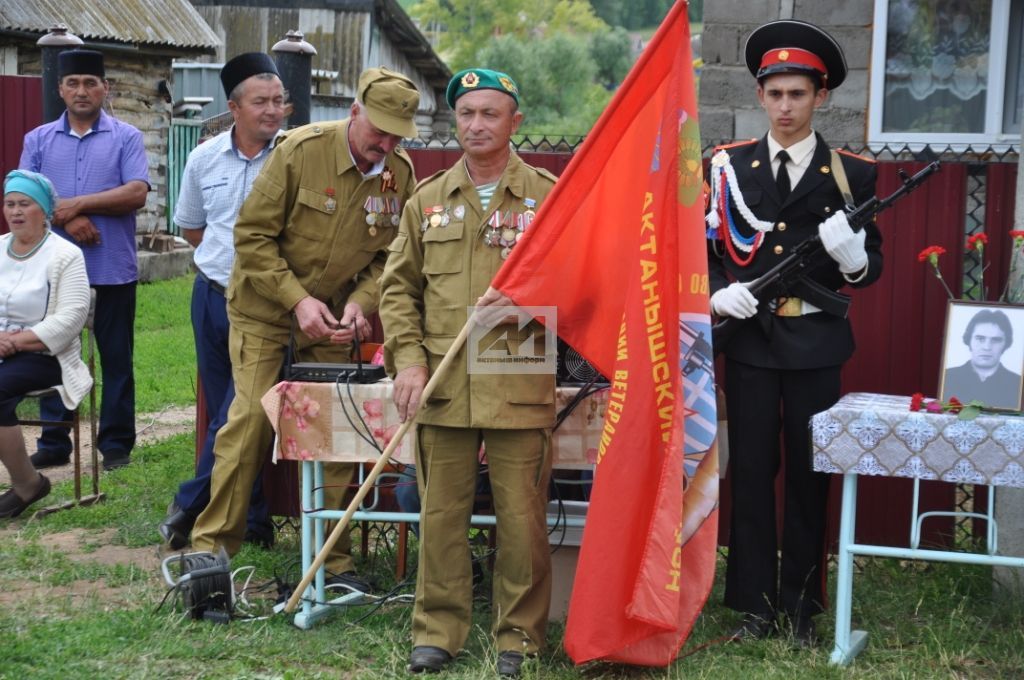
{"points": [[789, 277]]}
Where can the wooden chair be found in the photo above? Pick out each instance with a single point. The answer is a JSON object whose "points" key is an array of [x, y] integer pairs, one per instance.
{"points": [[74, 425]]}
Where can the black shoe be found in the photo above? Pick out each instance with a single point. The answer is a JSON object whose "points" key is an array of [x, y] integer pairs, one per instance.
{"points": [[12, 505], [176, 527], [754, 627], [350, 580], [804, 632], [426, 659], [113, 461], [46, 459], [261, 538], [510, 664]]}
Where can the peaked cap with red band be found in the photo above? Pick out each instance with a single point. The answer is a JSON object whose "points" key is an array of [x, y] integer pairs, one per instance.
{"points": [[791, 46]]}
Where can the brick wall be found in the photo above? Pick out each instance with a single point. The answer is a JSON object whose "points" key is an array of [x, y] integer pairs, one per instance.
{"points": [[728, 101]]}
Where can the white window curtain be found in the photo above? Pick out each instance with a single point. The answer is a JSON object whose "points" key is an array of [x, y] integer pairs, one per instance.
{"points": [[937, 65]]}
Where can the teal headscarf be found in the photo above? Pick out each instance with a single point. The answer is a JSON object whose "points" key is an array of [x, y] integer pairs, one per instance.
{"points": [[35, 186]]}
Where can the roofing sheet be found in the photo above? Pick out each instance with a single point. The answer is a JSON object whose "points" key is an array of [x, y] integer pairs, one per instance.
{"points": [[174, 23]]}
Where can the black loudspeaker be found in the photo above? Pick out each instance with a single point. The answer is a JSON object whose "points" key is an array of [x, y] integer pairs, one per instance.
{"points": [[574, 370]]}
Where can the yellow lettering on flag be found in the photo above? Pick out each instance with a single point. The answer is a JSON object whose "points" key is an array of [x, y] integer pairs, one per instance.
{"points": [[677, 562], [661, 372]]}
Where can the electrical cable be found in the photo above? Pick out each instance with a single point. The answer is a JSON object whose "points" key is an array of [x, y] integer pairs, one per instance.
{"points": [[366, 434]]}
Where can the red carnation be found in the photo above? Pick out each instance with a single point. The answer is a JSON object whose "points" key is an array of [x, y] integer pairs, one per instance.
{"points": [[931, 254], [977, 242]]}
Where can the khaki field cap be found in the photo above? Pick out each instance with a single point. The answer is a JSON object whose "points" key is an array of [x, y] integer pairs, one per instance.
{"points": [[390, 101]]}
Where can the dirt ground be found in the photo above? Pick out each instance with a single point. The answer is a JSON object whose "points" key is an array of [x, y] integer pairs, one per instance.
{"points": [[152, 427], [83, 546]]}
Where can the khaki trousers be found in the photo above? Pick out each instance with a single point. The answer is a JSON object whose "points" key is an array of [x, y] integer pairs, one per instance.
{"points": [[243, 441], [520, 469]]}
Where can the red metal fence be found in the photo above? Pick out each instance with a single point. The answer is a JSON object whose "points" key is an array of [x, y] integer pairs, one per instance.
{"points": [[22, 99]]}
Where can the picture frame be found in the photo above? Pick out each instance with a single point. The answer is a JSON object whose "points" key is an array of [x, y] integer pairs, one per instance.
{"points": [[983, 354]]}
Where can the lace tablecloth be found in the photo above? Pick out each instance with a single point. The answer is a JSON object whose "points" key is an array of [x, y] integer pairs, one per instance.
{"points": [[877, 434], [313, 423]]}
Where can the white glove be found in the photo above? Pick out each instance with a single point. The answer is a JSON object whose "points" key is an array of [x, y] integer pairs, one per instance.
{"points": [[735, 301], [843, 244]]}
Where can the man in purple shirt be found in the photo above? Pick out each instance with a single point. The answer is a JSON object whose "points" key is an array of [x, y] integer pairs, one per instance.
{"points": [[98, 166]]}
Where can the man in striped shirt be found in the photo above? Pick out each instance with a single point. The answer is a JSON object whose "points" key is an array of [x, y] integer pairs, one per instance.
{"points": [[218, 176], [98, 166]]}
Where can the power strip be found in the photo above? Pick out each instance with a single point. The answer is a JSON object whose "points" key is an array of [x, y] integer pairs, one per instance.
{"points": [[316, 372]]}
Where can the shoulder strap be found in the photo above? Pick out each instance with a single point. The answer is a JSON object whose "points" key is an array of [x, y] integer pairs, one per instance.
{"points": [[839, 172]]}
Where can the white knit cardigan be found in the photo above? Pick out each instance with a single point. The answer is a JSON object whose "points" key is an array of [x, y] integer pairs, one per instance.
{"points": [[66, 311]]}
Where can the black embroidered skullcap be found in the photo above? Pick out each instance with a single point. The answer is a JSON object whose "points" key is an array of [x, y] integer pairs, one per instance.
{"points": [[244, 66], [80, 63]]}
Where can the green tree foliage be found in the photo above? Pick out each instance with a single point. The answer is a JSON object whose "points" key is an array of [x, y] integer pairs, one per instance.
{"points": [[612, 55], [557, 81], [641, 14], [465, 26]]}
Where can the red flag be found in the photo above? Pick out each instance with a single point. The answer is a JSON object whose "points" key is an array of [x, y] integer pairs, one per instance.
{"points": [[618, 248]]}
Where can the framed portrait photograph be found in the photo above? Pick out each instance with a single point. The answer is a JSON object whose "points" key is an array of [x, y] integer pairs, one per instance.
{"points": [[983, 354]]}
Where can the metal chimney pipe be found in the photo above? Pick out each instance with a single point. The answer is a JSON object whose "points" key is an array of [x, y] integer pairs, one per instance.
{"points": [[294, 59], [56, 40]]}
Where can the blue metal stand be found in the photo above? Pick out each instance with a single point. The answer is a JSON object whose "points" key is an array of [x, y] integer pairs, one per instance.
{"points": [[850, 643], [315, 605]]}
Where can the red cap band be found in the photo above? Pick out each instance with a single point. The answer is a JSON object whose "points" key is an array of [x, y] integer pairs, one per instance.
{"points": [[794, 56]]}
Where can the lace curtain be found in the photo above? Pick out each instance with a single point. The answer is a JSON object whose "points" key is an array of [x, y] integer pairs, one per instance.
{"points": [[936, 66]]}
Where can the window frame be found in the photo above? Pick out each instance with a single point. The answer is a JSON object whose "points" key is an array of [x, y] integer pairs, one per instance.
{"points": [[994, 90]]}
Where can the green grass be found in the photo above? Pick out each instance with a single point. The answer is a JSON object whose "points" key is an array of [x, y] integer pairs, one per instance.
{"points": [[924, 621], [165, 354], [71, 613]]}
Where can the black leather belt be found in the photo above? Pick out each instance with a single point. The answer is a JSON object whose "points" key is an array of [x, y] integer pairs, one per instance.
{"points": [[210, 282]]}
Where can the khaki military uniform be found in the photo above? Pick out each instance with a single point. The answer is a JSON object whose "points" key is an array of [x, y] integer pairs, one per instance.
{"points": [[302, 231], [436, 269]]}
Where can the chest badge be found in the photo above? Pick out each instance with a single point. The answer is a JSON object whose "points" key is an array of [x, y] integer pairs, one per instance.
{"points": [[330, 205], [387, 181], [435, 216]]}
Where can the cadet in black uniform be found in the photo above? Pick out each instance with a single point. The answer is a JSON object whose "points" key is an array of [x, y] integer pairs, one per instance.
{"points": [[767, 196]]}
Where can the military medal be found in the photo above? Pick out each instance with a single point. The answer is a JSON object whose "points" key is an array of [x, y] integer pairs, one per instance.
{"points": [[330, 204], [393, 207], [460, 212], [387, 181], [529, 214], [505, 252], [436, 216]]}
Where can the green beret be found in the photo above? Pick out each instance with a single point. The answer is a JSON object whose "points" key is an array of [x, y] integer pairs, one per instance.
{"points": [[479, 79]]}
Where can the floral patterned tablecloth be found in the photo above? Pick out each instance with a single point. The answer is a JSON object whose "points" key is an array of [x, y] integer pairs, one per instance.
{"points": [[877, 434], [313, 423]]}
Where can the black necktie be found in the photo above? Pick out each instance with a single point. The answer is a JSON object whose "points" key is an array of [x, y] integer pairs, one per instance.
{"points": [[782, 176]]}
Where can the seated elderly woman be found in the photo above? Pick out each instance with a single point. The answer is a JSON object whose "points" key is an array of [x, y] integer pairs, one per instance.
{"points": [[44, 302]]}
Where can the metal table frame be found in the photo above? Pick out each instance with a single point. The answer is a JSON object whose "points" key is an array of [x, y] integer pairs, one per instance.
{"points": [[849, 643], [315, 604]]}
